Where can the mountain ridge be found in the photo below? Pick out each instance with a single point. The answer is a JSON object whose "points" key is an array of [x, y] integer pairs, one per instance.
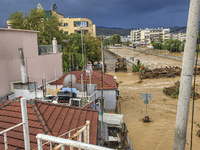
{"points": [[110, 31]]}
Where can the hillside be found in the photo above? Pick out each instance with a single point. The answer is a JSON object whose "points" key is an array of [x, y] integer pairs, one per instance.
{"points": [[111, 31], [125, 32]]}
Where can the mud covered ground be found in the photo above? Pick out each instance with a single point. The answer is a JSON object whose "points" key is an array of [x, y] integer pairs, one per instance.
{"points": [[158, 134]]}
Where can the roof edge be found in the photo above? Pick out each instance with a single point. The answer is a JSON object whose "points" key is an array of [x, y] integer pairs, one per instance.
{"points": [[19, 30]]}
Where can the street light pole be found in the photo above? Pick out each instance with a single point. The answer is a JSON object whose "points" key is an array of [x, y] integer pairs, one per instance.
{"points": [[132, 53], [102, 52], [82, 47], [70, 66]]}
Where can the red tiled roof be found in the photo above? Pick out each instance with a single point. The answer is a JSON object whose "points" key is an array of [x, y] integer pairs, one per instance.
{"points": [[45, 118], [108, 80]]}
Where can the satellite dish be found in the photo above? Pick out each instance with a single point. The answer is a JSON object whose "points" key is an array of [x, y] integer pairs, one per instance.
{"points": [[69, 79]]}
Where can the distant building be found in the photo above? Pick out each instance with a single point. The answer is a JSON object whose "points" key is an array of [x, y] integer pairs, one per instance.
{"points": [[125, 39], [179, 36], [144, 36], [69, 25], [74, 25]]}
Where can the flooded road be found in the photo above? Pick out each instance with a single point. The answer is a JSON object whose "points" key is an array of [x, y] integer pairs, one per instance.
{"points": [[158, 134]]}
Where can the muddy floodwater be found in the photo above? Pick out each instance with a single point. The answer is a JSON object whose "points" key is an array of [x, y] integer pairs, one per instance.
{"points": [[158, 134]]}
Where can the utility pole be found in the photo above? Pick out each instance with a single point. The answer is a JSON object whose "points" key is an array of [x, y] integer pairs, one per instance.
{"points": [[77, 67], [186, 76], [102, 52], [85, 57], [70, 66], [102, 101], [132, 53], [82, 47], [71, 72]]}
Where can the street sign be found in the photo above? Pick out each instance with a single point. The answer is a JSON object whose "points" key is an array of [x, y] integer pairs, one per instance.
{"points": [[146, 102], [146, 96]]}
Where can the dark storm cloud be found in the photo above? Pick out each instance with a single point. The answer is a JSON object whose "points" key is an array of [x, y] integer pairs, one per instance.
{"points": [[110, 13]]}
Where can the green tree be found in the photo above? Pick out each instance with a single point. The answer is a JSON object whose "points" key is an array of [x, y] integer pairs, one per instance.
{"points": [[174, 45], [115, 39], [127, 43], [91, 45], [18, 19], [106, 41], [35, 20], [93, 48]]}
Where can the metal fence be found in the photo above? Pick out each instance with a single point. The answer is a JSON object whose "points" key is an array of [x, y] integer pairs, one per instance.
{"points": [[48, 49]]}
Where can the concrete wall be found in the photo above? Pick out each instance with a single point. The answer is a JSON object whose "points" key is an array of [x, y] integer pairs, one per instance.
{"points": [[37, 65], [27, 94], [110, 99]]}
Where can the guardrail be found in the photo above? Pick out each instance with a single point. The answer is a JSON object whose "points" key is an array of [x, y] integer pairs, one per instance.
{"points": [[164, 55], [48, 49]]}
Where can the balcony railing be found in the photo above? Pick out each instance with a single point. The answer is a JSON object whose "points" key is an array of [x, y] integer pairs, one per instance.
{"points": [[25, 127], [69, 142], [49, 49]]}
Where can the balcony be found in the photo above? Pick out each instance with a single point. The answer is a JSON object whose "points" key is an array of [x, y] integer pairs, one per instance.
{"points": [[49, 49]]}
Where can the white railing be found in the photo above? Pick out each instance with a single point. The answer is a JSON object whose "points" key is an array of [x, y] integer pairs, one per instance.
{"points": [[25, 127], [69, 142], [93, 96], [84, 129]]}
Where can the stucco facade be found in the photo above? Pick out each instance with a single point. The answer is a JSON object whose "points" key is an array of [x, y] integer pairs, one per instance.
{"points": [[69, 24], [37, 66]]}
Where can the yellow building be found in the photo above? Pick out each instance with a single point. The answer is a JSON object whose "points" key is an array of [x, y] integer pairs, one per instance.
{"points": [[70, 25], [75, 25]]}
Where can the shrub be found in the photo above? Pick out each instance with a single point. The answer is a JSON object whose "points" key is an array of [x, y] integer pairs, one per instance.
{"points": [[139, 68]]}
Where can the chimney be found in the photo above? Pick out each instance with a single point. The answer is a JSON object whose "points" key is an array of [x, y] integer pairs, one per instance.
{"points": [[9, 26], [54, 43], [22, 65]]}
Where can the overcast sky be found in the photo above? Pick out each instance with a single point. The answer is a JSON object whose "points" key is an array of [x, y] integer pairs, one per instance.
{"points": [[110, 13]]}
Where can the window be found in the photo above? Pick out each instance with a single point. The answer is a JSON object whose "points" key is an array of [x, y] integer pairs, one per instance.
{"points": [[80, 24], [60, 24], [65, 24], [84, 32]]}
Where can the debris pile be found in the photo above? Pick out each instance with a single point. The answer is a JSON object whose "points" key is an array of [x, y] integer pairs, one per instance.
{"points": [[198, 133], [146, 119], [160, 72], [173, 91]]}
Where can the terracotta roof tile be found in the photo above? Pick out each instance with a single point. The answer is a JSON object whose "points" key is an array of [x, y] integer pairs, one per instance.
{"points": [[44, 117], [108, 80]]}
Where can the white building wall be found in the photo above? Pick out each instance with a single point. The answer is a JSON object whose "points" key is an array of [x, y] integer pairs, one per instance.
{"points": [[27, 94], [110, 99]]}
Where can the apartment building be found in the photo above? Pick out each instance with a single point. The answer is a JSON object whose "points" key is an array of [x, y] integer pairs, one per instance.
{"points": [[144, 36], [179, 36], [74, 25]]}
